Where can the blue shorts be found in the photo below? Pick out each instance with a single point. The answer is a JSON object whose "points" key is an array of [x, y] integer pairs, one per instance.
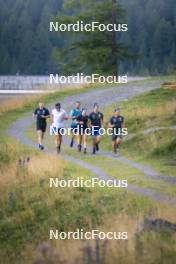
{"points": [[96, 132]]}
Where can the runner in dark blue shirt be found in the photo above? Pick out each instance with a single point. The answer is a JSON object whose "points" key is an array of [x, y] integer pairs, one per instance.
{"points": [[96, 121], [117, 123], [40, 115]]}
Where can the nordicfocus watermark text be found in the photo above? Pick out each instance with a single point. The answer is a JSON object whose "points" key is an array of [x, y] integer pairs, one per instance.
{"points": [[80, 26], [89, 79], [80, 234], [80, 182], [88, 131]]}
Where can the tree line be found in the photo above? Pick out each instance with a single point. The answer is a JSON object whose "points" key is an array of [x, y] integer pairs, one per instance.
{"points": [[28, 47]]}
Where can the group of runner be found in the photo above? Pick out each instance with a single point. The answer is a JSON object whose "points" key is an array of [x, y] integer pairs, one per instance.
{"points": [[81, 121]]}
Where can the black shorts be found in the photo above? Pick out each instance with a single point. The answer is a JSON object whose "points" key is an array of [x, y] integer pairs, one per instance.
{"points": [[115, 137], [41, 127], [82, 130]]}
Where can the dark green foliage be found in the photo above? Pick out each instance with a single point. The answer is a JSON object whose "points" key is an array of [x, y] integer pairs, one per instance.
{"points": [[28, 47], [25, 41], [91, 52], [152, 36]]}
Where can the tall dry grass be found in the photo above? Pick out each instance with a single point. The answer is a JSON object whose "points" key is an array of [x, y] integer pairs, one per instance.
{"points": [[38, 167], [139, 248], [18, 102]]}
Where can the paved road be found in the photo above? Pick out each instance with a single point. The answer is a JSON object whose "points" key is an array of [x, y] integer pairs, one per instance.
{"points": [[105, 97]]}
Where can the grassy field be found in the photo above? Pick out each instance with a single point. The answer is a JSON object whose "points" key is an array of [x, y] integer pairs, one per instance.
{"points": [[119, 170], [154, 109], [29, 208]]}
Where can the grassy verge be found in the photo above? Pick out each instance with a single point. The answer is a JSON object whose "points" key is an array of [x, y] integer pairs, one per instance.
{"points": [[121, 171], [154, 109], [29, 208]]}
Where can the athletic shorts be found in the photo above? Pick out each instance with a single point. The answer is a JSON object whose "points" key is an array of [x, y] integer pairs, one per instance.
{"points": [[96, 132], [81, 130], [41, 127], [57, 130], [115, 137]]}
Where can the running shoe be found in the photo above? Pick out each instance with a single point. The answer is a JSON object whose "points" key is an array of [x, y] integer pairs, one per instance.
{"points": [[42, 147], [79, 148], [58, 149], [85, 150]]}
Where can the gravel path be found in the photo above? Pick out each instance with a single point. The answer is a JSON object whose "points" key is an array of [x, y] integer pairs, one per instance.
{"points": [[105, 97], [147, 170]]}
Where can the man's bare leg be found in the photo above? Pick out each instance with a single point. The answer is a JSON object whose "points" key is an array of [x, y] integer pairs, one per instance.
{"points": [[85, 143], [40, 135], [98, 139], [114, 146], [79, 141], [117, 143], [58, 142]]}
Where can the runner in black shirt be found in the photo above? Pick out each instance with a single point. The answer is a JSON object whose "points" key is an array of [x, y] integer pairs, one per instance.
{"points": [[82, 125], [96, 120], [117, 123], [40, 115]]}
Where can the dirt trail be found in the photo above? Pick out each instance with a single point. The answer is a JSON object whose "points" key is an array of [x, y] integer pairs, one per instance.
{"points": [[105, 97], [147, 170]]}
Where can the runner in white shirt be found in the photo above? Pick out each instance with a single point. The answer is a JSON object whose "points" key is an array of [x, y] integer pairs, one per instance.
{"points": [[58, 117]]}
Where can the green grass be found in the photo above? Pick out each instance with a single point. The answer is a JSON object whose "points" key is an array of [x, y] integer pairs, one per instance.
{"points": [[154, 109], [156, 149], [149, 102], [29, 208], [115, 168], [161, 156], [121, 171]]}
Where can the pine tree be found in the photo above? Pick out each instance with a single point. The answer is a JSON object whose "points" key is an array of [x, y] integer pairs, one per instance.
{"points": [[90, 52]]}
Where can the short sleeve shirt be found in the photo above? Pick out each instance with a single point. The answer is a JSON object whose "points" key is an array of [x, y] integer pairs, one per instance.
{"points": [[59, 117], [75, 112], [96, 119], [41, 112], [117, 121], [83, 119]]}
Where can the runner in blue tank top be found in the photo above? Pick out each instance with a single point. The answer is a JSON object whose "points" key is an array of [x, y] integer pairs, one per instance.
{"points": [[75, 112]]}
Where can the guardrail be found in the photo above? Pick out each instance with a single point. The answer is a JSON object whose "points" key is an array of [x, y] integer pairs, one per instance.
{"points": [[23, 82]]}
